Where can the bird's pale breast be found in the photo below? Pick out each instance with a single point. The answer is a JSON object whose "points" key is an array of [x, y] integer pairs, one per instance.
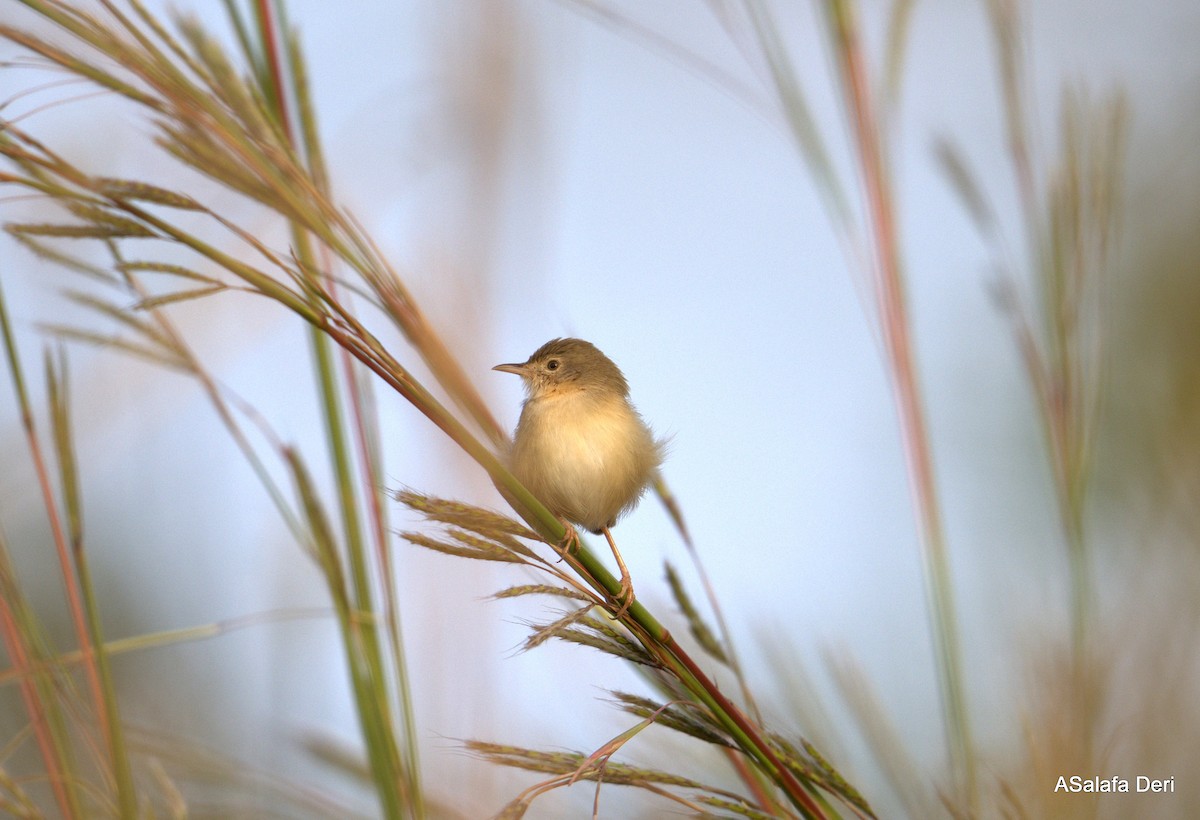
{"points": [[588, 459]]}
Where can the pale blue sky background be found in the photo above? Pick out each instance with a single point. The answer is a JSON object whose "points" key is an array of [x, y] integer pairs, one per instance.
{"points": [[641, 207]]}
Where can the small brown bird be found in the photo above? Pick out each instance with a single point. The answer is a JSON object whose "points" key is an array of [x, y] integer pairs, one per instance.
{"points": [[580, 446]]}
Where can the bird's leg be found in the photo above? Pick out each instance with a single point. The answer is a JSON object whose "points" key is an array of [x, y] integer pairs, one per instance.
{"points": [[625, 596]]}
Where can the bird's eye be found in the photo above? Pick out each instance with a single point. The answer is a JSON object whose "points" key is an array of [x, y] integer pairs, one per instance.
{"points": [[552, 364]]}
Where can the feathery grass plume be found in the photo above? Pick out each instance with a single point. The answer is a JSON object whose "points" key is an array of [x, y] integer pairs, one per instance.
{"points": [[540, 589], [178, 296], [474, 532], [570, 763], [114, 229], [469, 548], [24, 639], [696, 624], [162, 343], [598, 633], [168, 637], [1069, 214], [962, 179], [730, 807], [205, 112], [577, 626], [490, 526], [497, 541], [879, 263], [566, 768], [212, 783], [555, 629], [887, 743], [64, 260], [809, 763], [156, 339], [148, 342], [161, 267], [26, 648], [136, 191], [688, 718], [110, 715], [889, 288]]}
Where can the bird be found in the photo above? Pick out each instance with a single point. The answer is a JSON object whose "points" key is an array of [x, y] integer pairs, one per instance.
{"points": [[580, 445]]}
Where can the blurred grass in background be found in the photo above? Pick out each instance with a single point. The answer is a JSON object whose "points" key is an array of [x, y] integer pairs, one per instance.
{"points": [[1093, 268]]}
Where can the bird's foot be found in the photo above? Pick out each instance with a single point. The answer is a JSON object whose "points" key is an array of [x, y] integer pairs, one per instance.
{"points": [[570, 540], [625, 596]]}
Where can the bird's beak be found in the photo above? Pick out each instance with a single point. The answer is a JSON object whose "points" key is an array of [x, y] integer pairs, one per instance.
{"points": [[518, 369]]}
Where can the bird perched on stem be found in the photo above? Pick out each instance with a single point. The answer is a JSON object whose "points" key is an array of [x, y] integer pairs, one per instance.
{"points": [[580, 446]]}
